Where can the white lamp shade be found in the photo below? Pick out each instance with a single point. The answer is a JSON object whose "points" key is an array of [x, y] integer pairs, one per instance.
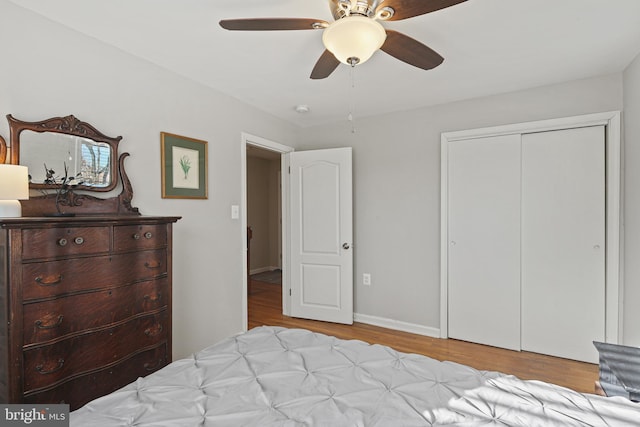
{"points": [[14, 182], [354, 37]]}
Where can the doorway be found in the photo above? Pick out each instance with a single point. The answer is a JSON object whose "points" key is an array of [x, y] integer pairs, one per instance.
{"points": [[323, 286], [264, 217], [262, 162]]}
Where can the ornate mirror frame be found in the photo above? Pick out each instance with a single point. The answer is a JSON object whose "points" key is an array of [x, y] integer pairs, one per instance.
{"points": [[79, 201], [3, 150], [68, 125]]}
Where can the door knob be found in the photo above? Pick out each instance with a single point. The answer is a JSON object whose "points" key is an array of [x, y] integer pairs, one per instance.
{"points": [[345, 246]]}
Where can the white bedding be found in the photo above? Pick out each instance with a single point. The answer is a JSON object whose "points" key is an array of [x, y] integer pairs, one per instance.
{"points": [[273, 376]]}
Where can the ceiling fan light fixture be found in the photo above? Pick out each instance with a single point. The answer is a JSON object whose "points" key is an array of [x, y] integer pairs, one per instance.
{"points": [[354, 39]]}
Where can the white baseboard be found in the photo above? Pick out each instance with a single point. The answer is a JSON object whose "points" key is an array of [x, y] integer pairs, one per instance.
{"points": [[262, 270], [397, 325]]}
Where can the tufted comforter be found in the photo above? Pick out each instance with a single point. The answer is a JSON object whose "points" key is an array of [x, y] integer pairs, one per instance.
{"points": [[273, 376]]}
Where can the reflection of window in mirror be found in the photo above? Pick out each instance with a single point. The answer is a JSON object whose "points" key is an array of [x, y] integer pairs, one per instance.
{"points": [[83, 156], [95, 165]]}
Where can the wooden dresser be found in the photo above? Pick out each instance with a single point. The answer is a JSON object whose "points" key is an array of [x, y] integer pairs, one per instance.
{"points": [[85, 305]]}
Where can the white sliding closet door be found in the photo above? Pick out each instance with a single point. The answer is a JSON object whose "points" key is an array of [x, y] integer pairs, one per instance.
{"points": [[484, 240], [563, 242]]}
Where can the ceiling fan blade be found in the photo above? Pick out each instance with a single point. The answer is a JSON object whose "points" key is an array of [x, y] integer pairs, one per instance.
{"points": [[273, 24], [409, 8], [411, 51], [325, 66]]}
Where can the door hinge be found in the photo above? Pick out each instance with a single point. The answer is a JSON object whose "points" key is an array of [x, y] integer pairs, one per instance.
{"points": [[289, 291], [289, 169]]}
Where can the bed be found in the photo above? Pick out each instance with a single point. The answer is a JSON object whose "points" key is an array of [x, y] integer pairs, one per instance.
{"points": [[272, 376]]}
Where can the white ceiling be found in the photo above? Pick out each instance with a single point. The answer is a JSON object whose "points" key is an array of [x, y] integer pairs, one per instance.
{"points": [[489, 46]]}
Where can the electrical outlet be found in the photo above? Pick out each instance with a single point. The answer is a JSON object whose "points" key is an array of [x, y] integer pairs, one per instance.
{"points": [[366, 279]]}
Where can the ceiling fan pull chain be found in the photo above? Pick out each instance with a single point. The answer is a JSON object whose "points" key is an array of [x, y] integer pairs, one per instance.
{"points": [[352, 99]]}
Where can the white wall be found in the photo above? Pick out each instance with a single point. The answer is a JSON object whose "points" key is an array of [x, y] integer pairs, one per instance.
{"points": [[397, 186], [54, 71], [631, 124]]}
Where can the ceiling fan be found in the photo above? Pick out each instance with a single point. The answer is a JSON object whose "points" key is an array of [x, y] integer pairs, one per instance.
{"points": [[356, 32]]}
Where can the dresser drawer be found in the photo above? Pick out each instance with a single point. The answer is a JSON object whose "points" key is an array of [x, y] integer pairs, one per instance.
{"points": [[51, 364], [60, 242], [144, 236], [78, 391], [44, 321], [55, 278]]}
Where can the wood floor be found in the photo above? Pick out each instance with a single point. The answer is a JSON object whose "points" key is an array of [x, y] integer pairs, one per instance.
{"points": [[265, 308]]}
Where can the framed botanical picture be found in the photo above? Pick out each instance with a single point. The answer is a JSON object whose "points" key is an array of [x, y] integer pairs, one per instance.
{"points": [[184, 167]]}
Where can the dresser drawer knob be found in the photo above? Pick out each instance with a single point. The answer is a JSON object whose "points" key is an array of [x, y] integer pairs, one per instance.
{"points": [[152, 332], [48, 282], [40, 323], [148, 235], [152, 264], [153, 298], [78, 240], [136, 236], [149, 367], [62, 242], [41, 370]]}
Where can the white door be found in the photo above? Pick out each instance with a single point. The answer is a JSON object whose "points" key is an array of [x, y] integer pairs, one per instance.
{"points": [[321, 235], [563, 242], [484, 240]]}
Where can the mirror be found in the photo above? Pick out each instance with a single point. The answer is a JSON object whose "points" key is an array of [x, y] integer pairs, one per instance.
{"points": [[48, 155], [64, 147]]}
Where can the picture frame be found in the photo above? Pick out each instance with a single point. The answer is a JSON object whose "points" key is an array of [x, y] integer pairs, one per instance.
{"points": [[184, 167]]}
